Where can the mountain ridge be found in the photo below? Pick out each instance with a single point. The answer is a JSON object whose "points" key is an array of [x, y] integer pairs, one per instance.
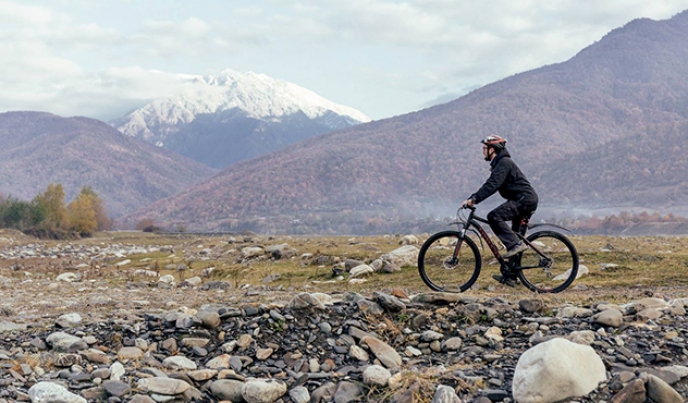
{"points": [[40, 148], [628, 82], [236, 109]]}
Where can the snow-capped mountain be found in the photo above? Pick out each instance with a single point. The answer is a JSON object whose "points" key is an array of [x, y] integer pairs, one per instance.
{"points": [[219, 120]]}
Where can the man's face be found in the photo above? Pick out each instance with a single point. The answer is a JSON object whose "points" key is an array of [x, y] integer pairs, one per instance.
{"points": [[486, 153]]}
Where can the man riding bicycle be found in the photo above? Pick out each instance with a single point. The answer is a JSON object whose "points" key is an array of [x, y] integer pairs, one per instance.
{"points": [[512, 184]]}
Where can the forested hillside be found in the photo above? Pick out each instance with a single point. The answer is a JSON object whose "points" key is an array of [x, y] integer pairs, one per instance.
{"points": [[587, 131], [41, 148]]}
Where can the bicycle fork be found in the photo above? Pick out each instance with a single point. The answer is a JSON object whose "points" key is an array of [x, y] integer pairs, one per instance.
{"points": [[457, 248]]}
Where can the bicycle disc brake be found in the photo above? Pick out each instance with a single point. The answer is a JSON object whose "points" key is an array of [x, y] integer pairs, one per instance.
{"points": [[450, 263]]}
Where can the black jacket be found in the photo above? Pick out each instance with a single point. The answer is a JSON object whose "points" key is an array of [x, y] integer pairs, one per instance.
{"points": [[508, 179]]}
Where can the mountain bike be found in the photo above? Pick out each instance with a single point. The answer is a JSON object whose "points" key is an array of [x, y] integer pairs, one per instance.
{"points": [[449, 261]]}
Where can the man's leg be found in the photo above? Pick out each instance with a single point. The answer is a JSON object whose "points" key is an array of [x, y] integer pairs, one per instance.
{"points": [[498, 218]]}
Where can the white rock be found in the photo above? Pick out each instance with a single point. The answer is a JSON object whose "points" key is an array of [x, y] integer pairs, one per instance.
{"points": [[494, 333], [569, 369], [69, 320], [163, 386], [116, 371], [574, 312], [358, 353], [445, 394], [193, 281], [147, 273], [585, 337], [408, 240], [376, 375], [361, 271], [325, 299], [179, 362], [45, 392], [66, 277], [263, 390], [656, 303], [252, 251], [123, 263], [582, 271], [403, 256], [166, 279]]}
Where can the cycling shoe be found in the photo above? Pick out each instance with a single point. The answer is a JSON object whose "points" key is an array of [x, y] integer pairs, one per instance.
{"points": [[506, 280]]}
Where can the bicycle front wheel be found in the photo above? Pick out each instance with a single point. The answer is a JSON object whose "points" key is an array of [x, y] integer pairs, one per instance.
{"points": [[448, 265], [554, 268]]}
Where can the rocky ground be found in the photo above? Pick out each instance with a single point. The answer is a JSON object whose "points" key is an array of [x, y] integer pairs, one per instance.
{"points": [[70, 334]]}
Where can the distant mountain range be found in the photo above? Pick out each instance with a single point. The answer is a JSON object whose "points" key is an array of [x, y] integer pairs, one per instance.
{"points": [[219, 120], [127, 173], [603, 129]]}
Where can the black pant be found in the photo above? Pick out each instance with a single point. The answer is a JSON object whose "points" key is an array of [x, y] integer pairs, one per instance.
{"points": [[510, 211]]}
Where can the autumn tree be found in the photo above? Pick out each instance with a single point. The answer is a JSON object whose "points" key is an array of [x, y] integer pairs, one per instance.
{"points": [[52, 203], [104, 222], [81, 215]]}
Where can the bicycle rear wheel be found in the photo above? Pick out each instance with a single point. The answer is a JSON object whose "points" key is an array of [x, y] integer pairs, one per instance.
{"points": [[556, 270], [446, 267]]}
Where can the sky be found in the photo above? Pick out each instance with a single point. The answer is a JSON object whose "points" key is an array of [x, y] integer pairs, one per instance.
{"points": [[104, 58]]}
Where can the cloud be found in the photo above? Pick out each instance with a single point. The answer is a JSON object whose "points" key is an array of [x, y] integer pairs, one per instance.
{"points": [[382, 56], [16, 13]]}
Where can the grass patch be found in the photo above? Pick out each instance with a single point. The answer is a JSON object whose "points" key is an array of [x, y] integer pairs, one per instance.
{"points": [[620, 267]]}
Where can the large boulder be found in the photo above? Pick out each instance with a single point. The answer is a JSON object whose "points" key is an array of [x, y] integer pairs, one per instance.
{"points": [[556, 370]]}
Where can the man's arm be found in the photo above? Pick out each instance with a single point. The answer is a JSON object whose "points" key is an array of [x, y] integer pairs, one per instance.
{"points": [[493, 183]]}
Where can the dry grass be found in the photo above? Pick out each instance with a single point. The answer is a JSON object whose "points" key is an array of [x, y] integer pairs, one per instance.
{"points": [[643, 266]]}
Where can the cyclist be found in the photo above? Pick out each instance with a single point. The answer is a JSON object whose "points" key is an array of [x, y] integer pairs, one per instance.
{"points": [[522, 200]]}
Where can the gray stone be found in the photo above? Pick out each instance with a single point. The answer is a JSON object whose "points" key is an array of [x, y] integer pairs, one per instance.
{"points": [[324, 393], [163, 386], [660, 391], [129, 353], [347, 392], [634, 392], [209, 319], [299, 394], [227, 389], [531, 305], [116, 388], [389, 302], [386, 354], [305, 301], [445, 394], [6, 326], [609, 317], [66, 342]]}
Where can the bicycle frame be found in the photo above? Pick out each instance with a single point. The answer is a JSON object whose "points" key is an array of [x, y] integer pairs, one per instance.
{"points": [[473, 221]]}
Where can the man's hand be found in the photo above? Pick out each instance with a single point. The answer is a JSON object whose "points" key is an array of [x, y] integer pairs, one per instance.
{"points": [[467, 203]]}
